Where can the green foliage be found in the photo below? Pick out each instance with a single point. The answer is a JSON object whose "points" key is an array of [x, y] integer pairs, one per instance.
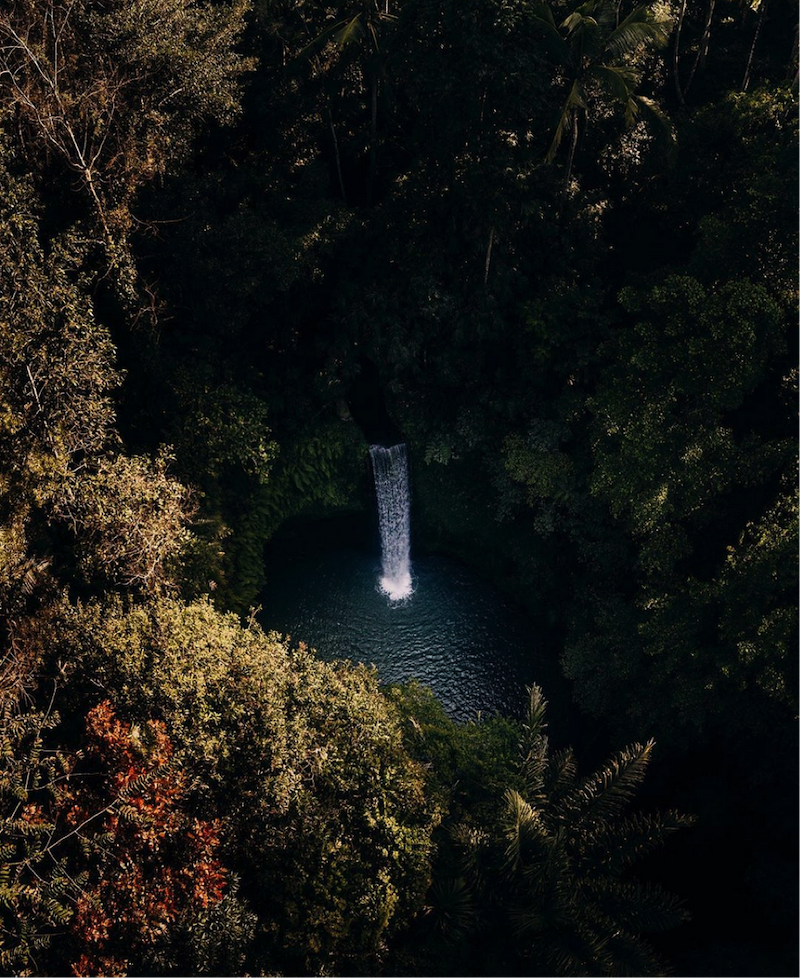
{"points": [[57, 374], [468, 764], [325, 815], [738, 172], [129, 519], [550, 870], [37, 890], [224, 429], [756, 589], [115, 90], [540, 464], [664, 448], [625, 465], [211, 940], [599, 52], [57, 361], [673, 442]]}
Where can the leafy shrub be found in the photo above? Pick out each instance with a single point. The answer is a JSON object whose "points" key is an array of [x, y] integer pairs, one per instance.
{"points": [[324, 812], [467, 764], [151, 866], [130, 518], [105, 868]]}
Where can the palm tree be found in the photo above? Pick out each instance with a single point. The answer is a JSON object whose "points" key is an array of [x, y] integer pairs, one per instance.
{"points": [[555, 865], [596, 53], [358, 27]]}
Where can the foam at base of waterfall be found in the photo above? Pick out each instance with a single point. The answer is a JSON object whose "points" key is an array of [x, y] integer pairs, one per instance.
{"points": [[390, 467], [397, 588]]}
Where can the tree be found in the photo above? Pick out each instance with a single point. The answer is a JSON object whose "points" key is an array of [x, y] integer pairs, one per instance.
{"points": [[323, 812], [60, 452], [57, 361], [36, 885], [552, 869], [105, 868], [736, 175], [684, 462], [597, 53], [57, 375], [665, 445], [357, 27], [757, 589], [129, 519], [115, 90]]}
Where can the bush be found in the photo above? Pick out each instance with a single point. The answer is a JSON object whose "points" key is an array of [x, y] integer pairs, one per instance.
{"points": [[130, 519], [324, 814], [105, 868]]}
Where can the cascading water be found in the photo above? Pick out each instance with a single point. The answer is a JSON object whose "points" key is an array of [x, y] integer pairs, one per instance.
{"points": [[390, 466]]}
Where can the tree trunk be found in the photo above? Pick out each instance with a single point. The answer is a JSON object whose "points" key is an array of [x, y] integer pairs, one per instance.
{"points": [[761, 16], [373, 130], [676, 56], [793, 60], [488, 258], [572, 145], [702, 51], [338, 158]]}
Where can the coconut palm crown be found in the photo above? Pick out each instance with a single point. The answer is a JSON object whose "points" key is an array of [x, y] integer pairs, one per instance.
{"points": [[597, 53]]}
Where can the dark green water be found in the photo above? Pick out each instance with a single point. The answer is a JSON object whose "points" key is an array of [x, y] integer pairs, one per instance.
{"points": [[456, 634]]}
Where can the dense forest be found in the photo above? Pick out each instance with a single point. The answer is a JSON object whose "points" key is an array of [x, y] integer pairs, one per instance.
{"points": [[551, 246]]}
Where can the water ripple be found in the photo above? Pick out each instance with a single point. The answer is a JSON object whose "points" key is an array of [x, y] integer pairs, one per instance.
{"points": [[455, 633]]}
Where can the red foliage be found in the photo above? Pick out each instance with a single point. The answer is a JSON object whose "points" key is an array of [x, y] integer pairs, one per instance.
{"points": [[149, 862]]}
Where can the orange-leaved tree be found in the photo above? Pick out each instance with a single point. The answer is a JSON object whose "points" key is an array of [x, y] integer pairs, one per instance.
{"points": [[104, 867]]}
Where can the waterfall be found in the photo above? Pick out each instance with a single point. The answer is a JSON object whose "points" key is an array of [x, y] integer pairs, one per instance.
{"points": [[391, 486]]}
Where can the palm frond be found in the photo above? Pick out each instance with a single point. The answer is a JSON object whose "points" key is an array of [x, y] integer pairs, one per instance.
{"points": [[634, 957], [602, 795], [637, 29], [527, 839], [636, 907], [450, 908], [557, 47], [544, 13], [585, 37], [351, 30], [576, 948], [615, 847], [606, 13], [533, 744], [319, 42], [31, 572], [654, 113], [575, 100], [619, 83], [473, 847], [340, 33], [631, 111], [573, 21], [561, 771], [528, 920]]}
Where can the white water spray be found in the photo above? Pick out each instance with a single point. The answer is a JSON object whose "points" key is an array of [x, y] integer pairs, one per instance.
{"points": [[390, 466]]}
